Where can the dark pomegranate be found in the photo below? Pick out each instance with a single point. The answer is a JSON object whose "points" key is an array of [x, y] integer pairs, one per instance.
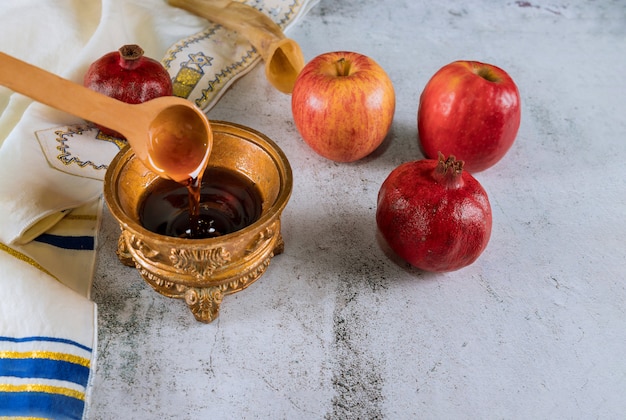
{"points": [[434, 215], [129, 76]]}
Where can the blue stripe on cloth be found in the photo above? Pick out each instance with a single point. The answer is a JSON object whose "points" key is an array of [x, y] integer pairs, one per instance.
{"points": [[45, 369], [40, 404], [42, 338], [67, 242]]}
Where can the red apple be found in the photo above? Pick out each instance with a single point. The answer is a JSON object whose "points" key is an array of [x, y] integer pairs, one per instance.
{"points": [[343, 104], [470, 110]]}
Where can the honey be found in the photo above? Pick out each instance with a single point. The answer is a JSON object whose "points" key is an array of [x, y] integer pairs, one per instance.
{"points": [[224, 202]]}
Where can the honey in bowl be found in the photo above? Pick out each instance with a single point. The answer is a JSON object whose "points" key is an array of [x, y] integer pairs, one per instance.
{"points": [[224, 202]]}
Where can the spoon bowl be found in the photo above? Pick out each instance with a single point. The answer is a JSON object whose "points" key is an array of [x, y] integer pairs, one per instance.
{"points": [[170, 135], [178, 140]]}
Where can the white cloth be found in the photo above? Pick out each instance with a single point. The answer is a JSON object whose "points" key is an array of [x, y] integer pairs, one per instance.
{"points": [[51, 169], [47, 343]]}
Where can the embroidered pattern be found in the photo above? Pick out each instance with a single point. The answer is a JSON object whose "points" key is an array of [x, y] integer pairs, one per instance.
{"points": [[49, 380], [66, 155], [26, 259], [187, 62], [79, 149]]}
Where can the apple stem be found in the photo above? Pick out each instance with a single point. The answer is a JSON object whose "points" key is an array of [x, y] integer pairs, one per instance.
{"points": [[487, 74], [343, 67]]}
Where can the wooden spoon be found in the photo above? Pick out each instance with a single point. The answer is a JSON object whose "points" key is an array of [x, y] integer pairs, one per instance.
{"points": [[170, 135]]}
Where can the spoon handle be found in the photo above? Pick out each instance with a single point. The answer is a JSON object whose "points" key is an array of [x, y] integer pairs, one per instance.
{"points": [[62, 94]]}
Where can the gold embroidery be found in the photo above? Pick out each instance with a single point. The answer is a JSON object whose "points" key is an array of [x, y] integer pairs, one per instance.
{"points": [[190, 73], [116, 141], [48, 389], [50, 355], [65, 157], [89, 217], [26, 259], [186, 79]]}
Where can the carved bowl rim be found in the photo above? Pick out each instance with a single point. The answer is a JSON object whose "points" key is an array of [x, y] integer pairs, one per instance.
{"points": [[283, 166]]}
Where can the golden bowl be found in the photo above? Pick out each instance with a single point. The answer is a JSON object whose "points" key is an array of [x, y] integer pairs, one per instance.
{"points": [[202, 271]]}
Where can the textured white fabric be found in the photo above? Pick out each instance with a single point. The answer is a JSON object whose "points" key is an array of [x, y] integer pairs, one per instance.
{"points": [[33, 192], [51, 169]]}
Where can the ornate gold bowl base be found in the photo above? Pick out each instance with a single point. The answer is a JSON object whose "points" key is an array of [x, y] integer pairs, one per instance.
{"points": [[203, 271]]}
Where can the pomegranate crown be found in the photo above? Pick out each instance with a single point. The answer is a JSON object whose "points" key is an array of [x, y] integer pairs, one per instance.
{"points": [[449, 170]]}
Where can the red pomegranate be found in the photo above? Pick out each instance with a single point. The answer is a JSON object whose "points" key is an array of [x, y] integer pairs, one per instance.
{"points": [[129, 76], [434, 215]]}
